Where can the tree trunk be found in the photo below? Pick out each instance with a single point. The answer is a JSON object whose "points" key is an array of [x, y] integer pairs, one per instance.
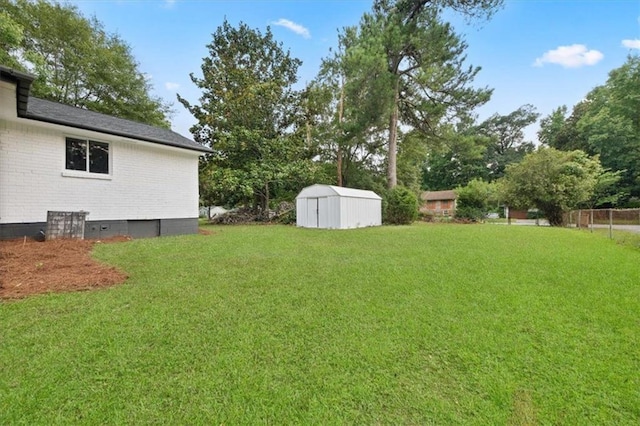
{"points": [[265, 211], [339, 166], [392, 180], [340, 116], [554, 216]]}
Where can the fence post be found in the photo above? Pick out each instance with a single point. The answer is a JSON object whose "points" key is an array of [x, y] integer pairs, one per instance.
{"points": [[611, 223], [591, 219]]}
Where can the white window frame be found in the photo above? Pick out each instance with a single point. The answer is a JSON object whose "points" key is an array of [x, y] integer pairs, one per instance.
{"points": [[86, 174]]}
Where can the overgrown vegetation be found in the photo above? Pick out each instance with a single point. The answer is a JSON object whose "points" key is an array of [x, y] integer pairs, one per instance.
{"points": [[444, 325], [400, 206], [475, 199]]}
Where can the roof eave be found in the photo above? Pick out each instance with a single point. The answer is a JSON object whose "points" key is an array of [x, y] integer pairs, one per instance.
{"points": [[23, 87]]}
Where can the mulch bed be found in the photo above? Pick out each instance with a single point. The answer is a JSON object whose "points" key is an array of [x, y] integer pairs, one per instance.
{"points": [[29, 267]]}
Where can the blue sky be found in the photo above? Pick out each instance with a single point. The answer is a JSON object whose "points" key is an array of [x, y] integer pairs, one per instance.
{"points": [[543, 52]]}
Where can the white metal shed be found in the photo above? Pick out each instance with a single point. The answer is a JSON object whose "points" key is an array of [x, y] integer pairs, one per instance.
{"points": [[335, 207]]}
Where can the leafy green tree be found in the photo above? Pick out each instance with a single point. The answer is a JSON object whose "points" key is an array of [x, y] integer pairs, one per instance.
{"points": [[606, 192], [552, 128], [477, 151], [475, 200], [606, 123], [250, 116], [76, 61], [507, 138], [460, 158], [412, 151], [551, 180], [11, 36]]}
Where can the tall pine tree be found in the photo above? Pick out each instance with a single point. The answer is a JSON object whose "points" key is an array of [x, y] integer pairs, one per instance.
{"points": [[428, 81]]}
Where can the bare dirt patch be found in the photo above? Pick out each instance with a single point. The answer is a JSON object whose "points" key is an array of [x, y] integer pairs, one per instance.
{"points": [[30, 267]]}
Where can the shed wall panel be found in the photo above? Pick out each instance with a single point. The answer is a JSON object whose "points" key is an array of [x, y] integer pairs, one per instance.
{"points": [[301, 212], [359, 212], [333, 206]]}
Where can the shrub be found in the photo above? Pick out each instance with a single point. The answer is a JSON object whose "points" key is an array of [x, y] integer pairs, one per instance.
{"points": [[401, 206], [469, 213], [473, 200]]}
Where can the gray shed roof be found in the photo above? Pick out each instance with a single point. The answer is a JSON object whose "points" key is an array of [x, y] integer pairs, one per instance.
{"points": [[66, 115], [319, 190]]}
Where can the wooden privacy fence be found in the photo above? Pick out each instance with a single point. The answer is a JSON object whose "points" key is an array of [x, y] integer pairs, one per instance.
{"points": [[613, 219]]}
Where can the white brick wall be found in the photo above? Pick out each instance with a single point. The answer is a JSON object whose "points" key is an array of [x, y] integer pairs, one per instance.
{"points": [[146, 181]]}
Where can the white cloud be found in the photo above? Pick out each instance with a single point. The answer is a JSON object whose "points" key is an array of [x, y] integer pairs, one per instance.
{"points": [[296, 28], [168, 4], [574, 56], [171, 86], [631, 44]]}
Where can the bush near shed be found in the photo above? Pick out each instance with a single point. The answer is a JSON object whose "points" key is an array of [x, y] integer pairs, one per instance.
{"points": [[400, 206]]}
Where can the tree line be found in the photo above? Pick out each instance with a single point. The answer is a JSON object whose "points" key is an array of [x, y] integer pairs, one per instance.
{"points": [[397, 82], [393, 105], [76, 61]]}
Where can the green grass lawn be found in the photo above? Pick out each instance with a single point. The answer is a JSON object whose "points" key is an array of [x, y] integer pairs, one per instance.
{"points": [[428, 324]]}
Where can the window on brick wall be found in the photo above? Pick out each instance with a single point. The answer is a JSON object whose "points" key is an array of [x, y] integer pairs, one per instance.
{"points": [[87, 156]]}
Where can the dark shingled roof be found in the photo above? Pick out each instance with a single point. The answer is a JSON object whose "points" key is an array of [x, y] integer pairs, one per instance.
{"points": [[439, 195], [54, 112], [66, 115]]}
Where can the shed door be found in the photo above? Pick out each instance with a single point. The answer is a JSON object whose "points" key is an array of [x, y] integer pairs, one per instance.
{"points": [[312, 212], [323, 212]]}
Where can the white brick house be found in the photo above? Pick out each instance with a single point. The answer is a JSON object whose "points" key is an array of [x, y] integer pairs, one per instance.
{"points": [[131, 178]]}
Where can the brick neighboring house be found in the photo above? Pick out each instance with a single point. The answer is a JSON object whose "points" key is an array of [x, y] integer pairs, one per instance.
{"points": [[439, 203], [130, 178]]}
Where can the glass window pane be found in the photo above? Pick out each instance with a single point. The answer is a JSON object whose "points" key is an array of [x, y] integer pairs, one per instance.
{"points": [[98, 157], [76, 158]]}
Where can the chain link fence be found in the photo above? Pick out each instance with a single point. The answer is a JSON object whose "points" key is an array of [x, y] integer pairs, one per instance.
{"points": [[627, 220]]}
